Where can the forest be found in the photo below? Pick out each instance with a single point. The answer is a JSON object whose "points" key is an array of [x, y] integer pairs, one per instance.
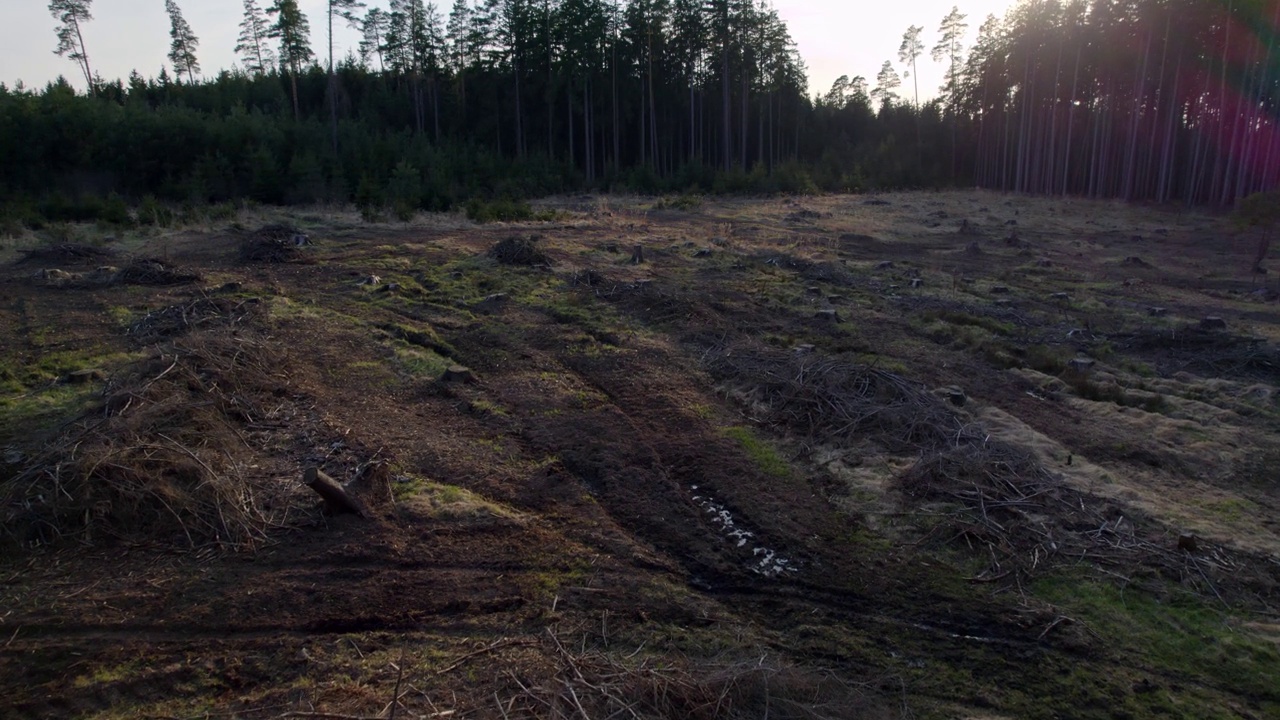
{"points": [[500, 100]]}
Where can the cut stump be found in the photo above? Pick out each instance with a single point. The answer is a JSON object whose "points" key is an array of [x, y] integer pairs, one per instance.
{"points": [[336, 498]]}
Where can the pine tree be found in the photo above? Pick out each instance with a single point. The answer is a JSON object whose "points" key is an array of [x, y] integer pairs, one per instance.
{"points": [[257, 56], [373, 31], [345, 10], [72, 14], [949, 47], [887, 84], [182, 51], [910, 49], [293, 31]]}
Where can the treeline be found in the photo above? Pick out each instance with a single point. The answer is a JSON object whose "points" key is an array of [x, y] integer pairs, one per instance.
{"points": [[1135, 99], [1162, 100]]}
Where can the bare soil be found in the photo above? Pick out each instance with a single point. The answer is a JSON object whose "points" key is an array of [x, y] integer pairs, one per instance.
{"points": [[675, 488]]}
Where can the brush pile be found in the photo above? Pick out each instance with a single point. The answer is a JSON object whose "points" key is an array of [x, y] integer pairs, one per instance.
{"points": [[992, 497], [519, 251], [155, 272], [164, 457], [578, 682], [177, 320], [68, 254], [274, 244]]}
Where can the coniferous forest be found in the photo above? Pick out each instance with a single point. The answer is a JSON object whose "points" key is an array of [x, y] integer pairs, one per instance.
{"points": [[1142, 100]]}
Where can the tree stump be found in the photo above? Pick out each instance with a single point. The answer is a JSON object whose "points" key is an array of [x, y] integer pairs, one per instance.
{"points": [[828, 314], [917, 283], [1157, 311], [1213, 323], [336, 498], [458, 373], [1081, 365], [637, 255]]}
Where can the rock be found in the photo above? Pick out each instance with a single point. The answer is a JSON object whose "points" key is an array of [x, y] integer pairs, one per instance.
{"points": [[803, 349], [1188, 543], [894, 286], [80, 377], [494, 298], [54, 275], [390, 288], [718, 241], [231, 287], [956, 396], [702, 252], [917, 282], [813, 290], [999, 290], [1213, 323], [371, 280], [1004, 302], [1157, 311], [1081, 365], [458, 373], [828, 314], [13, 456], [885, 265], [1060, 296]]}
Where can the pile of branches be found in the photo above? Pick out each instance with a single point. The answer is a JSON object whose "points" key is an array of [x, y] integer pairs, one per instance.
{"points": [[1206, 351], [156, 272], [831, 400], [519, 251], [177, 320], [999, 501], [274, 244], [163, 458], [586, 683], [68, 254], [993, 497]]}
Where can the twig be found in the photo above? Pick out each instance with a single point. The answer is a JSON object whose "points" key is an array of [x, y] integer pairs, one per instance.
{"points": [[498, 645]]}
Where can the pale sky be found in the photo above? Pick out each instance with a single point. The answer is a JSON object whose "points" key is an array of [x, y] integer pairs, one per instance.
{"points": [[835, 37]]}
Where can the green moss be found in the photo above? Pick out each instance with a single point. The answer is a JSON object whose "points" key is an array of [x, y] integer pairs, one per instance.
{"points": [[760, 451], [419, 362], [32, 413], [1180, 633]]}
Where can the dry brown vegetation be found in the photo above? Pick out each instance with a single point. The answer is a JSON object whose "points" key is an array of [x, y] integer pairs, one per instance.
{"points": [[917, 455]]}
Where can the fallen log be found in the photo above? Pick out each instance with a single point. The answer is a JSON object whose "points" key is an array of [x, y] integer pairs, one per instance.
{"points": [[336, 498]]}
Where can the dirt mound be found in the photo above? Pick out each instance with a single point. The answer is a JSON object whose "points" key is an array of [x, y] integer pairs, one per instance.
{"points": [[156, 272], [274, 244], [519, 251], [177, 320], [67, 254], [161, 459]]}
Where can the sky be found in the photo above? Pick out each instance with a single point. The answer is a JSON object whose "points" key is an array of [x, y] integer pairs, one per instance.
{"points": [[835, 37]]}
